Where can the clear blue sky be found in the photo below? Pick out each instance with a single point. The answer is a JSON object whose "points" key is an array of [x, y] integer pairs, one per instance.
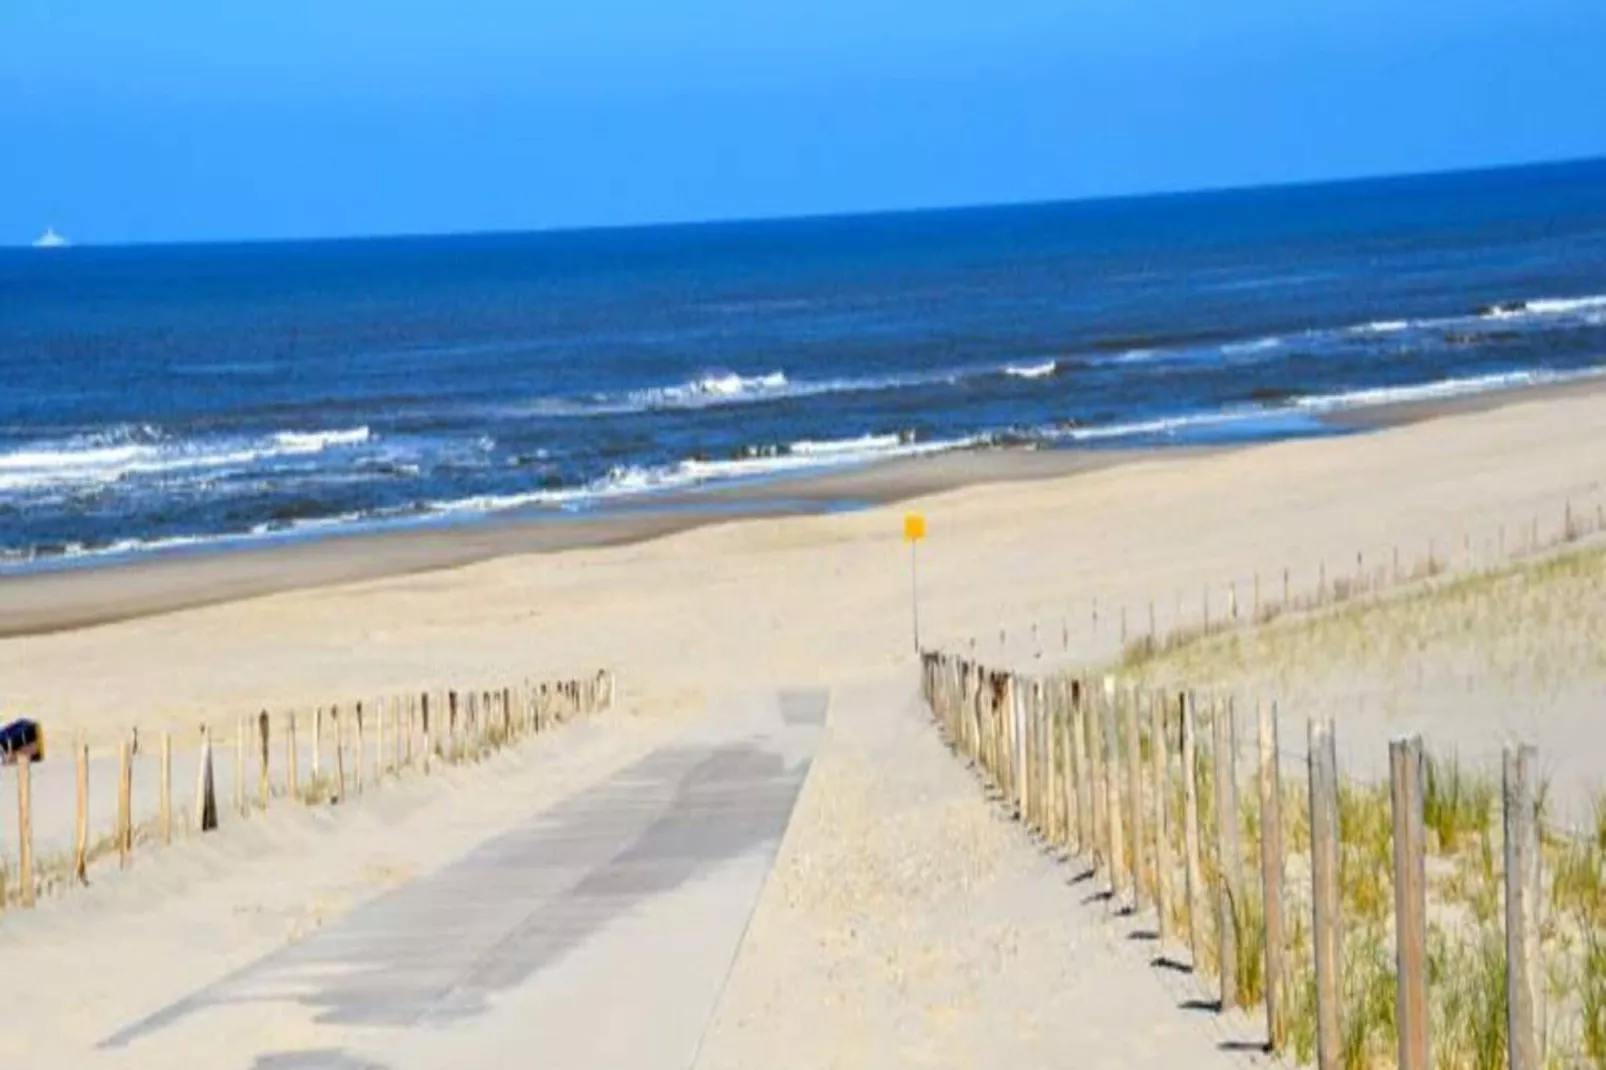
{"points": [[215, 119]]}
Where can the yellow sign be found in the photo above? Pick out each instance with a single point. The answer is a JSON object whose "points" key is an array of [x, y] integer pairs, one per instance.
{"points": [[914, 527]]}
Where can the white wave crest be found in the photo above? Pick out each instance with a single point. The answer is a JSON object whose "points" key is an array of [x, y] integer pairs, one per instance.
{"points": [[1381, 327], [1254, 345], [1032, 371], [715, 389], [1545, 306], [839, 447], [317, 441], [1441, 388], [636, 480], [1561, 306], [1160, 425], [90, 460]]}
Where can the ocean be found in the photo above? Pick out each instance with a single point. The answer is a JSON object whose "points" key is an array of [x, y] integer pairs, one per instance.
{"points": [[171, 396]]}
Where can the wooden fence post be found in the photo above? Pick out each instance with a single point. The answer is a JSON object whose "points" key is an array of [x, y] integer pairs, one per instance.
{"points": [[24, 767], [1271, 878], [429, 729], [1017, 748], [291, 758], [264, 783], [205, 787], [1073, 768], [1229, 859], [340, 753], [239, 768], [1112, 783], [1193, 873], [451, 726], [1134, 782], [356, 765], [1045, 755], [166, 803], [125, 806], [405, 748], [317, 747], [1523, 972], [1093, 720], [1325, 931], [1039, 763], [80, 851], [1410, 901], [1087, 840], [1048, 818], [1028, 765], [1162, 831], [1060, 722]]}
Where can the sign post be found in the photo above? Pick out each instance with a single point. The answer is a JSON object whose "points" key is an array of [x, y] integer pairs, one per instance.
{"points": [[914, 530]]}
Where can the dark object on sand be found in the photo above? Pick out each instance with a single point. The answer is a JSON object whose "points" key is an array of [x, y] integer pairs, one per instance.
{"points": [[21, 739]]}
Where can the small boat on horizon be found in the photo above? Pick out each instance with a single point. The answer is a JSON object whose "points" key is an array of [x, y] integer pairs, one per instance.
{"points": [[50, 240]]}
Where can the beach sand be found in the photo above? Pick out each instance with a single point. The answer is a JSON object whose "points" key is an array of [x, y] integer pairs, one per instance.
{"points": [[1035, 571]]}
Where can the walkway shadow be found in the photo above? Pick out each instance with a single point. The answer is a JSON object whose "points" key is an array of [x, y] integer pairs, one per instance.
{"points": [[1210, 1006]]}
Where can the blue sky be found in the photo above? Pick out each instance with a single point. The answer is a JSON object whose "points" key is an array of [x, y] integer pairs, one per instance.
{"points": [[191, 120]]}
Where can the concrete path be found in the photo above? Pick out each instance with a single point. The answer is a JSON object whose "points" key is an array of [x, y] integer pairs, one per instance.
{"points": [[598, 934]]}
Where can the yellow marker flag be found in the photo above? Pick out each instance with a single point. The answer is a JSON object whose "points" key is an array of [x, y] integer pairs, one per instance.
{"points": [[914, 527]]}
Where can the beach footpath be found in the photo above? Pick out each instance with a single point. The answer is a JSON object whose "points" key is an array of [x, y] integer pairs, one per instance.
{"points": [[596, 928]]}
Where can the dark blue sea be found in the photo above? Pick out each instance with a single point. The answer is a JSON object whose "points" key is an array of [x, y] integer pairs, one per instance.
{"points": [[182, 395]]}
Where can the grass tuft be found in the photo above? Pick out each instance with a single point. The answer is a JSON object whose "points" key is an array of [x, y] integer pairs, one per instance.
{"points": [[1592, 999], [1369, 1028], [1468, 979], [1456, 803]]}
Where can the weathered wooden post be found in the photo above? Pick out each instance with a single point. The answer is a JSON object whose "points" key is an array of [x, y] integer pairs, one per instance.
{"points": [[317, 748], [1193, 871], [205, 787], [240, 804], [1093, 721], [1271, 878], [451, 726], [80, 852], [428, 729], [1162, 831], [1410, 901], [125, 806], [291, 758], [1523, 972], [1086, 837], [1229, 858], [25, 893], [340, 753], [1112, 781], [264, 782], [361, 755], [1134, 780], [1325, 928], [1028, 765]]}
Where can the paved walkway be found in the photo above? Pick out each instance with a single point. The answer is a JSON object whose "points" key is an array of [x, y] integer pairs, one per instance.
{"points": [[598, 934]]}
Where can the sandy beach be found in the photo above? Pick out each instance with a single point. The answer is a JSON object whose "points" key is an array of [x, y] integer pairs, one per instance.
{"points": [[1032, 560]]}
